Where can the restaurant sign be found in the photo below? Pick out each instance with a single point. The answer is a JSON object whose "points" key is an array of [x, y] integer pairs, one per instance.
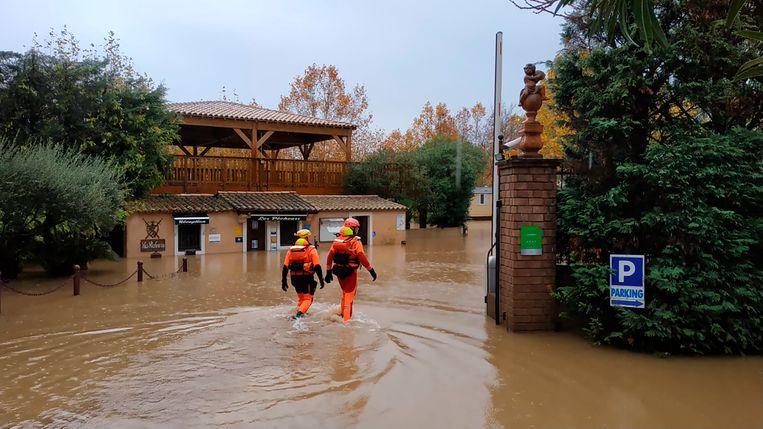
{"points": [[152, 245], [278, 217]]}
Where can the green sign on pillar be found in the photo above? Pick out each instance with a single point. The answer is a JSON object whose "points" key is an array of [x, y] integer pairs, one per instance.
{"points": [[530, 240]]}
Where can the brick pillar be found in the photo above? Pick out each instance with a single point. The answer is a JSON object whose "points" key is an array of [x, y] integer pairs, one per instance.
{"points": [[528, 193]]}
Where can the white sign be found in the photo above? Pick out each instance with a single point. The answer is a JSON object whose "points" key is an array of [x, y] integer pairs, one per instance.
{"points": [[626, 281], [329, 228], [400, 224], [214, 238]]}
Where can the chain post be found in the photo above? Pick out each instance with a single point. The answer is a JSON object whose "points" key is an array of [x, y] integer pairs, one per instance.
{"points": [[75, 280], [185, 265], [140, 271]]}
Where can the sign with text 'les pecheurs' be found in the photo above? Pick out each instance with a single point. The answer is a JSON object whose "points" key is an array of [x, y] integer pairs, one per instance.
{"points": [[626, 281]]}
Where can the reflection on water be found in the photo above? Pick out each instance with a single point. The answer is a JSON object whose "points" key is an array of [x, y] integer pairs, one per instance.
{"points": [[217, 347]]}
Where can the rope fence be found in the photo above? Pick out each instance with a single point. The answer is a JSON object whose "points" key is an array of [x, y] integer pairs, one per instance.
{"points": [[78, 276]]}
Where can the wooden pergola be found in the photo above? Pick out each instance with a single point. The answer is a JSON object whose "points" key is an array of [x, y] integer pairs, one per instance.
{"points": [[263, 133]]}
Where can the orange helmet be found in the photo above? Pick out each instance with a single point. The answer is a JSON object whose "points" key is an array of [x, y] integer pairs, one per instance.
{"points": [[352, 222]]}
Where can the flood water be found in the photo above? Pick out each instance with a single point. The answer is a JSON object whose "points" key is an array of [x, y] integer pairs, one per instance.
{"points": [[216, 347]]}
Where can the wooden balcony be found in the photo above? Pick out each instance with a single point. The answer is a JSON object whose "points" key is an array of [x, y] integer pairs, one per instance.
{"points": [[208, 174]]}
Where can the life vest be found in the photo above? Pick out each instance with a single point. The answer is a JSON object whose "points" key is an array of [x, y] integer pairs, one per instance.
{"points": [[300, 264], [345, 257]]}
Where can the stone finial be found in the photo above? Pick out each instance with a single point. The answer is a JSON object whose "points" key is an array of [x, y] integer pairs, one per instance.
{"points": [[531, 99]]}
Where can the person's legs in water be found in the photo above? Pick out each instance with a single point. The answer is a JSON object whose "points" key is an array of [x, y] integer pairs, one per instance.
{"points": [[349, 285], [304, 298]]}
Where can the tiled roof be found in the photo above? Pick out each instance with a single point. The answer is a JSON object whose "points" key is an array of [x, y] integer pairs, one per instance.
{"points": [[352, 202], [179, 203], [268, 202], [230, 110]]}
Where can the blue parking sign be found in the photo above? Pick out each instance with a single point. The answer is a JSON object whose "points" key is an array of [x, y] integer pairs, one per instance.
{"points": [[626, 281]]}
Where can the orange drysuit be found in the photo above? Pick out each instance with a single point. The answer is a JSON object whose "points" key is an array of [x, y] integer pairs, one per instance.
{"points": [[302, 262], [344, 258]]}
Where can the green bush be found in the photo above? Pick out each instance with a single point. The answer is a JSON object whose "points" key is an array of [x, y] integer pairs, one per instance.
{"points": [[50, 195], [701, 233]]}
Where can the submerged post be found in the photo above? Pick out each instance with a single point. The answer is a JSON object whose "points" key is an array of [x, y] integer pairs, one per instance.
{"points": [[75, 280], [140, 271], [185, 265]]}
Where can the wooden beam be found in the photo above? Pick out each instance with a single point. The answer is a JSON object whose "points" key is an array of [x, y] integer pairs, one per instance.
{"points": [[309, 150], [341, 142], [265, 126], [302, 151], [263, 139], [206, 149], [305, 129], [195, 151], [349, 148], [244, 137], [185, 150]]}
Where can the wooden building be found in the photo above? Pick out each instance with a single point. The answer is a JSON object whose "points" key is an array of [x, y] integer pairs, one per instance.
{"points": [[215, 202], [260, 134]]}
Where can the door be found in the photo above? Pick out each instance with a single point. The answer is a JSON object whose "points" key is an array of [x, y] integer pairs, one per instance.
{"points": [[256, 235], [363, 231], [288, 229], [189, 237]]}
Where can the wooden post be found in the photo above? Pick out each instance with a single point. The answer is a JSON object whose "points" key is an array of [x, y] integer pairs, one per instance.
{"points": [[75, 280], [185, 265], [140, 271]]}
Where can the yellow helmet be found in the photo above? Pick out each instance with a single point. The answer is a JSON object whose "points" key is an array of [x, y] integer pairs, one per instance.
{"points": [[302, 233], [347, 232], [301, 242]]}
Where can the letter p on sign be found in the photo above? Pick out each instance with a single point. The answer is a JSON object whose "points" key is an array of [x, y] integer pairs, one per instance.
{"points": [[627, 270]]}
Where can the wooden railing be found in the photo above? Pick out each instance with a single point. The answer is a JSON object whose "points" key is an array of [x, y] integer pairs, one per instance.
{"points": [[207, 174]]}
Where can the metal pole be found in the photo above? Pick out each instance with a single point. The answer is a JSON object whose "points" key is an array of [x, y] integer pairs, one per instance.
{"points": [[140, 271], [498, 205], [497, 120], [75, 280]]}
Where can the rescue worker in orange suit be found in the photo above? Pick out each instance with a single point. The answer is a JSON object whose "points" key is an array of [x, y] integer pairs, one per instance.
{"points": [[344, 258], [302, 262]]}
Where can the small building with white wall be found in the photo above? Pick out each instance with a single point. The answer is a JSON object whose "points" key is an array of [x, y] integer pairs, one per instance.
{"points": [[227, 222], [481, 206]]}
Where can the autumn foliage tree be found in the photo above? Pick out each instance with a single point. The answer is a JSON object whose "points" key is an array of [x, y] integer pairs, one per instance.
{"points": [[321, 92]]}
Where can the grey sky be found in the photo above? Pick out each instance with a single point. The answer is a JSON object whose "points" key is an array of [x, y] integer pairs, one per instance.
{"points": [[405, 52]]}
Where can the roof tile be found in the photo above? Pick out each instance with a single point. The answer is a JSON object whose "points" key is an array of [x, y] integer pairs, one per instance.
{"points": [[230, 110], [352, 202], [179, 204], [271, 202]]}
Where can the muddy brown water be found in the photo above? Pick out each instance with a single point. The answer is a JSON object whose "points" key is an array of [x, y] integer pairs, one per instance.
{"points": [[216, 348]]}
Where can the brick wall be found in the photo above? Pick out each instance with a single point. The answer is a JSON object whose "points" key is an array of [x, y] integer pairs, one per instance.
{"points": [[528, 193]]}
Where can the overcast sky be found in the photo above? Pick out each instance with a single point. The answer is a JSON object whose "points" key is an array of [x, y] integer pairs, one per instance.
{"points": [[405, 52]]}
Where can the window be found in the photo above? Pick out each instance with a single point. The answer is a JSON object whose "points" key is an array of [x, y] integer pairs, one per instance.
{"points": [[482, 199]]}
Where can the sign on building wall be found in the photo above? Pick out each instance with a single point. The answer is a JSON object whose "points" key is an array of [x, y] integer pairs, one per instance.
{"points": [[278, 217], [152, 242], [530, 240], [153, 245], [626, 281], [330, 228], [214, 238], [400, 224]]}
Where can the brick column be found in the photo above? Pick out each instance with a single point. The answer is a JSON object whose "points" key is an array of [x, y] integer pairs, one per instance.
{"points": [[528, 193]]}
